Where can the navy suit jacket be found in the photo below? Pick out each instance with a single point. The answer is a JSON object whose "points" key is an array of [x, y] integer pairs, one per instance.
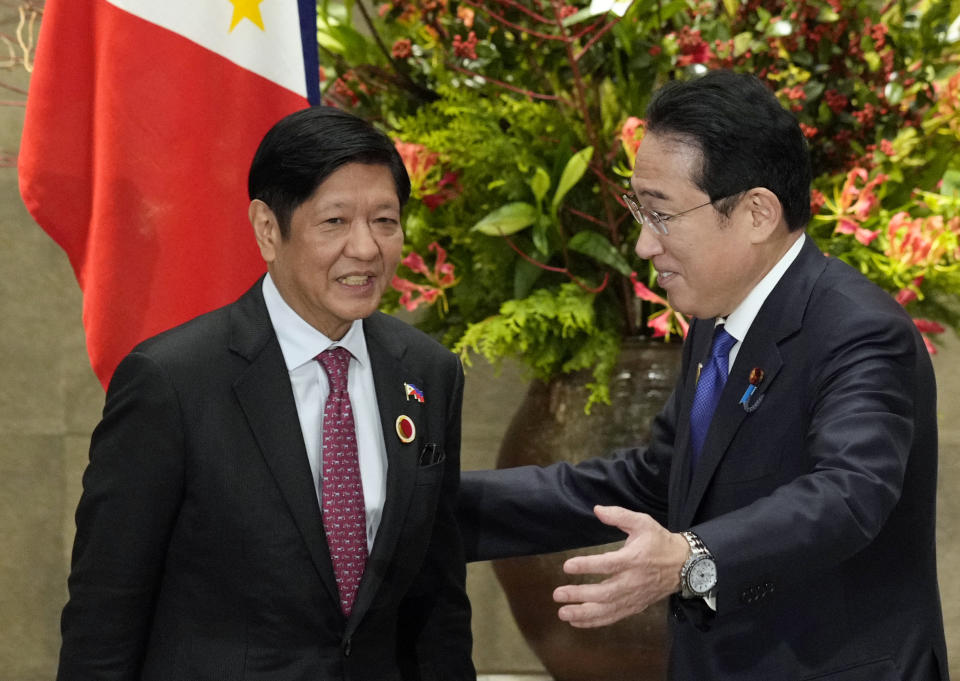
{"points": [[200, 551], [818, 501]]}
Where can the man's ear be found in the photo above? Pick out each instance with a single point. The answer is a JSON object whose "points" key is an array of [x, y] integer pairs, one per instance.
{"points": [[265, 229], [766, 213]]}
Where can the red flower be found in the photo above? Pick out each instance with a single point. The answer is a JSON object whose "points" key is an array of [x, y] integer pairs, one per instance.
{"points": [[837, 101], [441, 277], [667, 320], [693, 49], [402, 49], [906, 295], [465, 48], [928, 326], [817, 199]]}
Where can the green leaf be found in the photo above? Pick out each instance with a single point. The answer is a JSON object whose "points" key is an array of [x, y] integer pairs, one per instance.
{"points": [[731, 6], [741, 42], [541, 235], [540, 183], [576, 167], [599, 248], [894, 92], [951, 183], [524, 277], [509, 218]]}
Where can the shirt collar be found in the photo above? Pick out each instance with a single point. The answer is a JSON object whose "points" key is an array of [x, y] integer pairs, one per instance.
{"points": [[299, 341], [739, 321]]}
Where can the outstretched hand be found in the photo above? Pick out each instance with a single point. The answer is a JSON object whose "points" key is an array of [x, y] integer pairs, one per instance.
{"points": [[644, 570]]}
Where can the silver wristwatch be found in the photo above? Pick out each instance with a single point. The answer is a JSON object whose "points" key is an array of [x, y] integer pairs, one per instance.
{"points": [[698, 576]]}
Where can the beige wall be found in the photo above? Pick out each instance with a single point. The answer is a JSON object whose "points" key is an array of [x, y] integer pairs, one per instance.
{"points": [[50, 401]]}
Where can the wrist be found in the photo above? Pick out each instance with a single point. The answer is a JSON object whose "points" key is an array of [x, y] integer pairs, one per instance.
{"points": [[698, 575]]}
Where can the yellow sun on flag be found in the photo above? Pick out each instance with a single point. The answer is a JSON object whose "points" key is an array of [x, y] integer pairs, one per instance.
{"points": [[246, 9]]}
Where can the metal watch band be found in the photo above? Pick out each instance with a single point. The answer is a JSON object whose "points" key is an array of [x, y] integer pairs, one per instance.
{"points": [[697, 550]]}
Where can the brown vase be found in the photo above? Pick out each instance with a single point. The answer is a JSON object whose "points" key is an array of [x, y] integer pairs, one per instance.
{"points": [[551, 426]]}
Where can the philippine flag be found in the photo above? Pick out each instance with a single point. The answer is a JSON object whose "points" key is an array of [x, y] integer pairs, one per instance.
{"points": [[141, 122]]}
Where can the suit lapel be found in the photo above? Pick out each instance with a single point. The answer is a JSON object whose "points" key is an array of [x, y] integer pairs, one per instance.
{"points": [[389, 376], [780, 316], [700, 336], [266, 399]]}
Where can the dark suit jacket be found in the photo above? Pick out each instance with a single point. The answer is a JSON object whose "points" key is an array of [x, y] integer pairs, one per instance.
{"points": [[200, 551], [819, 504]]}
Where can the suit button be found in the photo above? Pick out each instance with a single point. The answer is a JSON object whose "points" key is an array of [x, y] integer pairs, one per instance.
{"points": [[679, 614], [346, 647]]}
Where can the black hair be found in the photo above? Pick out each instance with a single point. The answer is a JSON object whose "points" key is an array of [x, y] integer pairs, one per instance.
{"points": [[745, 137], [301, 150]]}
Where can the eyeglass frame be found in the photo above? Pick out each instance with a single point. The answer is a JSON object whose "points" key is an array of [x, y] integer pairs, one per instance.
{"points": [[658, 219]]}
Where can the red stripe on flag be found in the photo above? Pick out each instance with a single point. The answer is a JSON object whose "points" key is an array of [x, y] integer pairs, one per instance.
{"points": [[134, 158]]}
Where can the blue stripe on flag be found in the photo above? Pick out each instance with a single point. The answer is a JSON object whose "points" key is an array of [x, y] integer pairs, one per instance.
{"points": [[308, 38]]}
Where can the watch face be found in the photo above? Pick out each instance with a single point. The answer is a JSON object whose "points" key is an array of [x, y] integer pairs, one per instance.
{"points": [[703, 576]]}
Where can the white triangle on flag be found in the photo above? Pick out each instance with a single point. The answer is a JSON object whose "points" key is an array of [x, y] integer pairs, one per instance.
{"points": [[274, 52]]}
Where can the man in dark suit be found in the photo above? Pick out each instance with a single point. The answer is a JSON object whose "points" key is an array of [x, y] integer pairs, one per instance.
{"points": [[270, 492], [785, 503]]}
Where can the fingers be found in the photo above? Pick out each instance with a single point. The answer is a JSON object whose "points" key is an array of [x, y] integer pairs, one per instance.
{"points": [[589, 615], [584, 593], [597, 605], [619, 517], [598, 564]]}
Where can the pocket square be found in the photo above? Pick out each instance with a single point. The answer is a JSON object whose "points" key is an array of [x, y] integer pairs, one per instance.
{"points": [[430, 454]]}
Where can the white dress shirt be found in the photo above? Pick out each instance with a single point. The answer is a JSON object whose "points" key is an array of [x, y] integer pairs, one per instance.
{"points": [[301, 343], [739, 321]]}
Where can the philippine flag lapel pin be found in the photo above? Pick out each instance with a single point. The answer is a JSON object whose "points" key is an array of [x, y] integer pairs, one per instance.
{"points": [[406, 431], [413, 391], [750, 401]]}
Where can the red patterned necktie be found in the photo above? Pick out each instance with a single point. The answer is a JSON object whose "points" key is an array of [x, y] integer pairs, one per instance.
{"points": [[344, 515]]}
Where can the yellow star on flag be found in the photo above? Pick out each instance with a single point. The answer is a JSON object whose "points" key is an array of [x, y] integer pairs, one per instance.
{"points": [[246, 9]]}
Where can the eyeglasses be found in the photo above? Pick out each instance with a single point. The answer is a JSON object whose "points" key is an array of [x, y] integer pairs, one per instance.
{"points": [[656, 220]]}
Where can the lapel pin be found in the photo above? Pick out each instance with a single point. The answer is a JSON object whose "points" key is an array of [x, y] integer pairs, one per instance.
{"points": [[411, 390], [406, 431], [756, 377]]}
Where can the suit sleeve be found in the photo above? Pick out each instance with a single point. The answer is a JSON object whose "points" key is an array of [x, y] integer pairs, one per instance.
{"points": [[437, 613], [131, 493], [531, 509], [860, 405]]}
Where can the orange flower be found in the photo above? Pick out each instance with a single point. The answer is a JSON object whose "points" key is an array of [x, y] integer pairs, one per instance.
{"points": [[855, 204], [630, 135], [922, 242], [418, 162], [466, 15]]}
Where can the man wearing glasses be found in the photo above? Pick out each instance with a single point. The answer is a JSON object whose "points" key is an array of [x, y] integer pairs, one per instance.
{"points": [[785, 503]]}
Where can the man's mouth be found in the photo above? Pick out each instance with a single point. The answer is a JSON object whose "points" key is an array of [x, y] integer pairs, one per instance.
{"points": [[355, 279]]}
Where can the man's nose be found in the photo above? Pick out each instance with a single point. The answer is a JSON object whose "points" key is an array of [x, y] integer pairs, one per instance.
{"points": [[361, 243], [648, 244]]}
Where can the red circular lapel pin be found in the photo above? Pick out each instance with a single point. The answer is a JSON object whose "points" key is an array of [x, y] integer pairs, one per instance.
{"points": [[405, 429]]}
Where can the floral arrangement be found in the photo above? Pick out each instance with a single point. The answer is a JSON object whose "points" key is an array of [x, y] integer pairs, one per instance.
{"points": [[519, 121]]}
